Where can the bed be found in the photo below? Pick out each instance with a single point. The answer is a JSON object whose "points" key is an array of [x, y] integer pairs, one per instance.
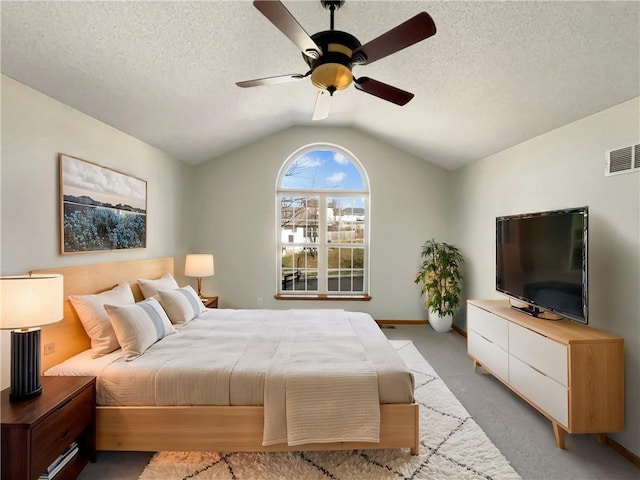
{"points": [[215, 425]]}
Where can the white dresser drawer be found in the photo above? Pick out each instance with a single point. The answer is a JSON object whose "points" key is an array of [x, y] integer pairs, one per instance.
{"points": [[488, 354], [543, 391], [490, 326], [540, 352]]}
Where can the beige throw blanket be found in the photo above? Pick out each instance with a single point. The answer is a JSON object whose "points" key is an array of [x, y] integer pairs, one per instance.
{"points": [[320, 391]]}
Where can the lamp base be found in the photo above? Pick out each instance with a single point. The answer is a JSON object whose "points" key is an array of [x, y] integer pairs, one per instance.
{"points": [[199, 287], [18, 397], [25, 364]]}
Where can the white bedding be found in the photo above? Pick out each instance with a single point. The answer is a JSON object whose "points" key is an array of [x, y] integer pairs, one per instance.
{"points": [[224, 356], [320, 391]]}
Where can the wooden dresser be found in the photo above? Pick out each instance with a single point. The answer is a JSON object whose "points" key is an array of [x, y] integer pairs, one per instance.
{"points": [[573, 374]]}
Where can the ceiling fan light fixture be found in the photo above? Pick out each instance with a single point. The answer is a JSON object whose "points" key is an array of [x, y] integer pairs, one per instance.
{"points": [[332, 71], [331, 76], [331, 54]]}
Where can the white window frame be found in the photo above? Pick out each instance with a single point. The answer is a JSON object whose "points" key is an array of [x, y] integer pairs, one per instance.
{"points": [[322, 245]]}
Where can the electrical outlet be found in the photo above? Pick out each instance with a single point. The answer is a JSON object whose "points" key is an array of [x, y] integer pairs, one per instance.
{"points": [[259, 301], [49, 348]]}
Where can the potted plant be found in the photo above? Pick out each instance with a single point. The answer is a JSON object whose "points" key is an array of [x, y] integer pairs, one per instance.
{"points": [[441, 282]]}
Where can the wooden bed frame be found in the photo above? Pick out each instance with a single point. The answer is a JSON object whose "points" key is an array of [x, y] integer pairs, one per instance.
{"points": [[185, 428]]}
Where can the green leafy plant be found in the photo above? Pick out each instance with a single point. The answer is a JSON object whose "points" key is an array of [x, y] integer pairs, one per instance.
{"points": [[440, 277]]}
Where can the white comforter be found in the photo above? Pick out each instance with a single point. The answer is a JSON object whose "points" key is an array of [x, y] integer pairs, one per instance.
{"points": [[308, 368]]}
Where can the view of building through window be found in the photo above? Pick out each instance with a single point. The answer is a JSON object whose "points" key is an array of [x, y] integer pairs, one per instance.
{"points": [[323, 221]]}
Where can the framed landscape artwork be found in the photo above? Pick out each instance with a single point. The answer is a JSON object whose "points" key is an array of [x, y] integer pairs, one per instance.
{"points": [[100, 208]]}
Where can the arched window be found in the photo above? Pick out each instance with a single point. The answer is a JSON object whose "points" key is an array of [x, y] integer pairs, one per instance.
{"points": [[323, 224]]}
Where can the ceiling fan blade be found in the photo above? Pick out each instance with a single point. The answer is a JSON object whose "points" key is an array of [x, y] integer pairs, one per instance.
{"points": [[323, 105], [404, 35], [277, 13], [383, 91], [293, 77]]}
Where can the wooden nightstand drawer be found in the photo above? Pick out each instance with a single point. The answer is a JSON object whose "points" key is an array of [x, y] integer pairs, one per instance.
{"points": [[37, 430], [211, 302], [60, 428]]}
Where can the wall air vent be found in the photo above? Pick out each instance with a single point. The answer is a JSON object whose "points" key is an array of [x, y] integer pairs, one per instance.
{"points": [[623, 160]]}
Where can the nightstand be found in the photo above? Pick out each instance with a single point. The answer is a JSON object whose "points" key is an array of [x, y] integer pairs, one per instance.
{"points": [[210, 302], [36, 431]]}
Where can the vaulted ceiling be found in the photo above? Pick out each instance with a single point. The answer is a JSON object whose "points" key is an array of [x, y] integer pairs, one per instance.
{"points": [[495, 73]]}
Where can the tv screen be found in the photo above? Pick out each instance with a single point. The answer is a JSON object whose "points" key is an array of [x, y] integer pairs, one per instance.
{"points": [[541, 259]]}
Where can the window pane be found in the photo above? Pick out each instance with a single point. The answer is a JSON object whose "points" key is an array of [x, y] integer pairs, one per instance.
{"points": [[299, 258], [307, 258], [333, 278], [339, 258], [310, 282], [333, 257], [345, 257], [358, 258], [299, 268], [346, 281], [323, 170], [346, 220], [358, 280], [287, 227], [345, 269], [299, 219]]}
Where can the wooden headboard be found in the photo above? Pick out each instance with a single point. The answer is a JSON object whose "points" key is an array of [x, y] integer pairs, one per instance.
{"points": [[68, 336]]}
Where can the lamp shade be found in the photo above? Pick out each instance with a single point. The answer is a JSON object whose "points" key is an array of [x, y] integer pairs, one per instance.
{"points": [[199, 265], [30, 300]]}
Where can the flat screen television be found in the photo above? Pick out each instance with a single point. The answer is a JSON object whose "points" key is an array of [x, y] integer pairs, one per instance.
{"points": [[541, 260]]}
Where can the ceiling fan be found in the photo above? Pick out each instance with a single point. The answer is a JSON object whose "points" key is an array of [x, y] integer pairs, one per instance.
{"points": [[331, 54]]}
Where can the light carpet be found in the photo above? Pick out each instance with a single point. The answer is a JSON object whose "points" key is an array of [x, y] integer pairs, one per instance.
{"points": [[452, 446]]}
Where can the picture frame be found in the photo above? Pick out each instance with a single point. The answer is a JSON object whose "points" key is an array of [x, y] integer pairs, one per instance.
{"points": [[101, 209]]}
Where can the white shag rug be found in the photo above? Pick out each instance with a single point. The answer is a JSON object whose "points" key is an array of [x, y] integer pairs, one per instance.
{"points": [[452, 446]]}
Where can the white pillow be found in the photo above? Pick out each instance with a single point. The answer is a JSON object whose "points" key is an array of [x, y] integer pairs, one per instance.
{"points": [[139, 326], [150, 288], [94, 318], [181, 304]]}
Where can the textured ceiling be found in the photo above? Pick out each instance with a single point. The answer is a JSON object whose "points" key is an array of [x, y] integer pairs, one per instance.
{"points": [[495, 73]]}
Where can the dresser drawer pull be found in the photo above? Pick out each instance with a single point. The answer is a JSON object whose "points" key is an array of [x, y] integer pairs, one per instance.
{"points": [[534, 368], [63, 436], [488, 340], [61, 407]]}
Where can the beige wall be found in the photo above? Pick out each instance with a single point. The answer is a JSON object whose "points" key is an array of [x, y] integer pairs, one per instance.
{"points": [[34, 129], [236, 220], [565, 168]]}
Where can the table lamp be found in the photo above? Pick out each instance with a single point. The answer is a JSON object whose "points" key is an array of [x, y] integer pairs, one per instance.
{"points": [[28, 302], [199, 265]]}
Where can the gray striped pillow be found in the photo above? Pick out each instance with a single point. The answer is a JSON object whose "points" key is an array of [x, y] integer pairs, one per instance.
{"points": [[139, 326], [181, 304]]}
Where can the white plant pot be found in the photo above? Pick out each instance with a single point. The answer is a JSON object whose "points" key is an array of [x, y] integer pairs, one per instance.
{"points": [[440, 324]]}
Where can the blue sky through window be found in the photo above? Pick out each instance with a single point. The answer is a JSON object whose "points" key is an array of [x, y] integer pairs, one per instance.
{"points": [[323, 169]]}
